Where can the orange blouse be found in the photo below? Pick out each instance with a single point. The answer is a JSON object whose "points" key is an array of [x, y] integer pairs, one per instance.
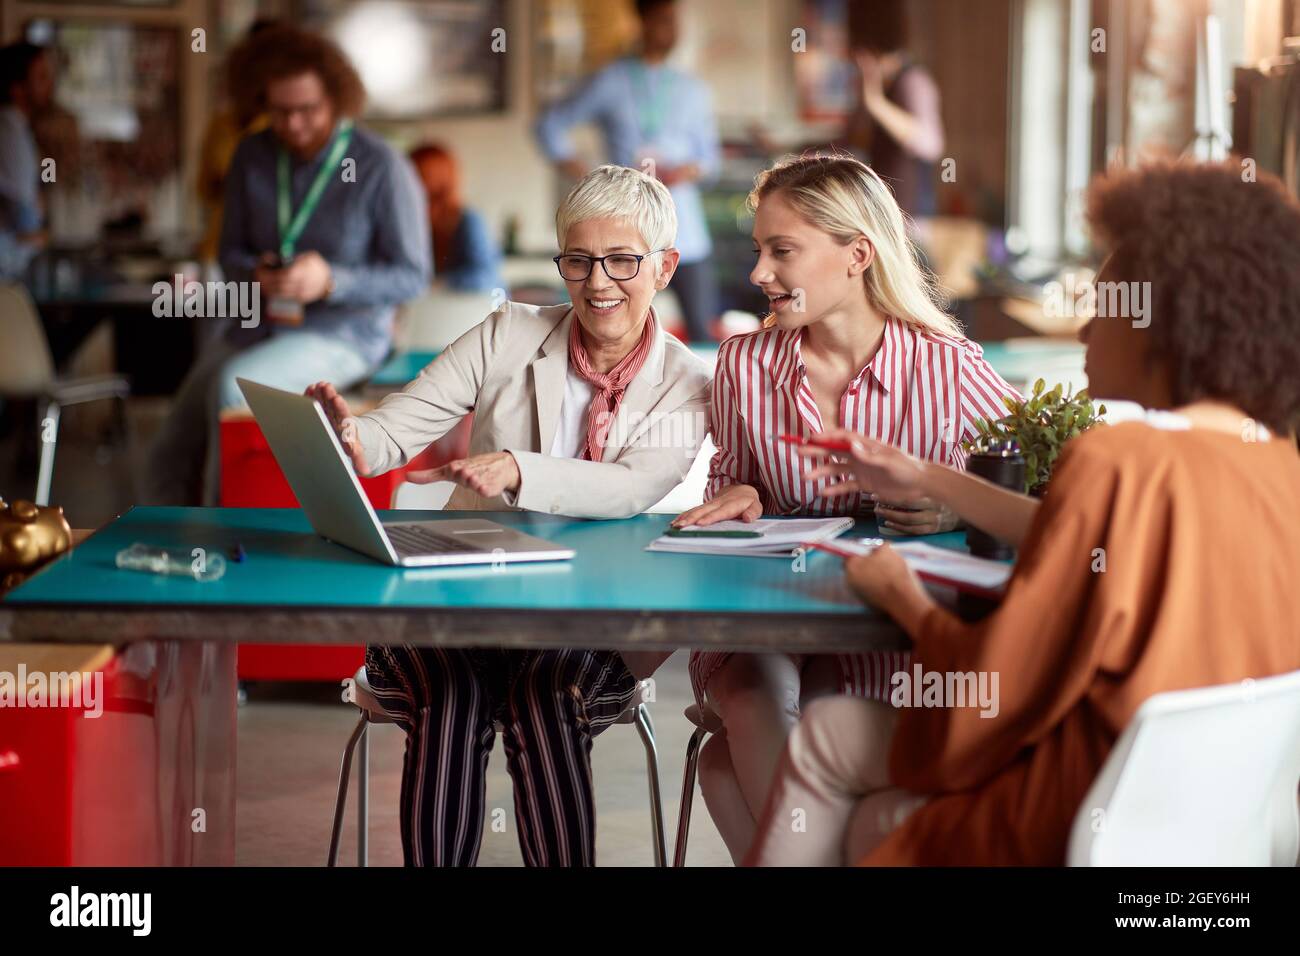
{"points": [[1198, 536]]}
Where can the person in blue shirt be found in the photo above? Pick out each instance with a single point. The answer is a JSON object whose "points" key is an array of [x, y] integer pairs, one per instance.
{"points": [[465, 258], [26, 86], [658, 119], [327, 222]]}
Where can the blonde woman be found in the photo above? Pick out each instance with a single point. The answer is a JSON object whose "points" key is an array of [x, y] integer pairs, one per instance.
{"points": [[855, 340]]}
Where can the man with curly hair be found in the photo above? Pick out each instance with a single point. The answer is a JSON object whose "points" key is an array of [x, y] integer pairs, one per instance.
{"points": [[328, 221]]}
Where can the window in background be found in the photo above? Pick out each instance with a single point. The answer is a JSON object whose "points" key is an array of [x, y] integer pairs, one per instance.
{"points": [[421, 58], [115, 130]]}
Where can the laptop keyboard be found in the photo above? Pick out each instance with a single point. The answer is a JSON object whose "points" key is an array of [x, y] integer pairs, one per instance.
{"points": [[413, 540]]}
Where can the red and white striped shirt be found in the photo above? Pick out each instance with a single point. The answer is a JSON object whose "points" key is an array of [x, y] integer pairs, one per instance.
{"points": [[922, 392]]}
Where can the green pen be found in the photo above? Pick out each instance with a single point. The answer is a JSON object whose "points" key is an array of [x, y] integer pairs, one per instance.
{"points": [[683, 533]]}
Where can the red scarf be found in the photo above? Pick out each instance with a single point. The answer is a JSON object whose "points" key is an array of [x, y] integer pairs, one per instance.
{"points": [[609, 386]]}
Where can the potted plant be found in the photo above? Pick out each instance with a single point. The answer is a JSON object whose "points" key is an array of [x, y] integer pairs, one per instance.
{"points": [[1040, 425]]}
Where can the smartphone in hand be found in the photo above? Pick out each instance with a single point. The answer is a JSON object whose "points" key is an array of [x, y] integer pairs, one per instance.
{"points": [[281, 309]]}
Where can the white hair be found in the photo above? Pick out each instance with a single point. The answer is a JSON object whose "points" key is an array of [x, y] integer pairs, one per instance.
{"points": [[618, 192]]}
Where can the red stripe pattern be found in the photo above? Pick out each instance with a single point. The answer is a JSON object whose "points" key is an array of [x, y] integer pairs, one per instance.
{"points": [[608, 386], [922, 392]]}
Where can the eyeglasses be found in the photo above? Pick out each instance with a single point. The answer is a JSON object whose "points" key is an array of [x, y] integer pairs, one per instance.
{"points": [[619, 267]]}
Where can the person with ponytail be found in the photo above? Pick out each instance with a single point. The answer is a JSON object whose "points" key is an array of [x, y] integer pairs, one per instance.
{"points": [[856, 340]]}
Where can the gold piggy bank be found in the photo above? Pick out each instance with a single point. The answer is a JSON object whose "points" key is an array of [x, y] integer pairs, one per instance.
{"points": [[29, 537]]}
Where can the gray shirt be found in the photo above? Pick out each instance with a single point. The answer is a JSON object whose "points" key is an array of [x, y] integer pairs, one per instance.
{"points": [[20, 209], [373, 231]]}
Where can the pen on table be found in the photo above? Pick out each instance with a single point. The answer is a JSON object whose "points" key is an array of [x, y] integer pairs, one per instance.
{"points": [[830, 548]]}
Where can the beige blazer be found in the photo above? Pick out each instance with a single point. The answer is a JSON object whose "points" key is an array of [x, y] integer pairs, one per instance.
{"points": [[510, 372]]}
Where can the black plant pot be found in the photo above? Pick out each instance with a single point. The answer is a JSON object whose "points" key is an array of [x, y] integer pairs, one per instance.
{"points": [[1004, 467]]}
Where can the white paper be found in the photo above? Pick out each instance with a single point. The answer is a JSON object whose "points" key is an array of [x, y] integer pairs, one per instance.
{"points": [[955, 566]]}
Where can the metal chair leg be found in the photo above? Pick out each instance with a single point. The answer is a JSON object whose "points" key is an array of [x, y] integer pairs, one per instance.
{"points": [[688, 795], [45, 476], [363, 800], [646, 729], [341, 803]]}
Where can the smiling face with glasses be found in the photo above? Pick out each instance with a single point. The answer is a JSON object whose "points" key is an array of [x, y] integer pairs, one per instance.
{"points": [[611, 277], [301, 113]]}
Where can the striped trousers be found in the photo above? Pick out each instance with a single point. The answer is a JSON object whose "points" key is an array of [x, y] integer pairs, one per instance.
{"points": [[550, 704]]}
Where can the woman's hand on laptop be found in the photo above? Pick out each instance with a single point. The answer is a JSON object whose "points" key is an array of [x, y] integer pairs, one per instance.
{"points": [[486, 475], [345, 426]]}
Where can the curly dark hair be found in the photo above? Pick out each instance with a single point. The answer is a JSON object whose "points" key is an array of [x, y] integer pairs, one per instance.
{"points": [[1222, 253], [280, 51]]}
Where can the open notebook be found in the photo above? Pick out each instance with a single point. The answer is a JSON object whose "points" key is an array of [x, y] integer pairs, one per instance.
{"points": [[943, 566], [777, 537]]}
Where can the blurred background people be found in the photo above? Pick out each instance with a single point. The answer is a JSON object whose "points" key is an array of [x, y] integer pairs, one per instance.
{"points": [[240, 116], [330, 223], [26, 88], [650, 111], [896, 126], [465, 258]]}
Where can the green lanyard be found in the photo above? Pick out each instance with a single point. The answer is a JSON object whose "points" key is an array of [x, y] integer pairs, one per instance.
{"points": [[291, 229], [651, 107]]}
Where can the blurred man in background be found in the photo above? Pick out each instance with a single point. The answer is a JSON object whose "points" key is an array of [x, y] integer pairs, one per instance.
{"points": [[330, 222], [648, 110]]}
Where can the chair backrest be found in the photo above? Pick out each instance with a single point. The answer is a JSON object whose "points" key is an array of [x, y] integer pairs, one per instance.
{"points": [[439, 317], [690, 491], [431, 497], [1202, 777], [26, 367]]}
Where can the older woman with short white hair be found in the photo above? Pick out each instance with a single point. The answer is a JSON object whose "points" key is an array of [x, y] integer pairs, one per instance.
{"points": [[591, 410]]}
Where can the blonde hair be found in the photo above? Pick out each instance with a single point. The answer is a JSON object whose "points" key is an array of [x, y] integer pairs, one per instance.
{"points": [[846, 199], [618, 192]]}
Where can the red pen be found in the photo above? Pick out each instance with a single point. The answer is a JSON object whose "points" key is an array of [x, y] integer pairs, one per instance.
{"points": [[826, 444]]}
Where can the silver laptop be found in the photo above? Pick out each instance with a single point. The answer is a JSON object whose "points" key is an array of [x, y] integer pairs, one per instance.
{"points": [[321, 475]]}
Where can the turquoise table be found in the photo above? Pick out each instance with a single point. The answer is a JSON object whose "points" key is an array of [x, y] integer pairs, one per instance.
{"points": [[295, 587], [1021, 360]]}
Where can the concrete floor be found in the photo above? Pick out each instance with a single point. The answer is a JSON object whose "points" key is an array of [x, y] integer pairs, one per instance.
{"points": [[291, 740]]}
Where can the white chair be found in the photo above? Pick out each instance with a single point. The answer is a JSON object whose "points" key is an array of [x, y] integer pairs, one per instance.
{"points": [[372, 712], [27, 372], [439, 317], [431, 497], [1202, 777], [690, 492]]}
